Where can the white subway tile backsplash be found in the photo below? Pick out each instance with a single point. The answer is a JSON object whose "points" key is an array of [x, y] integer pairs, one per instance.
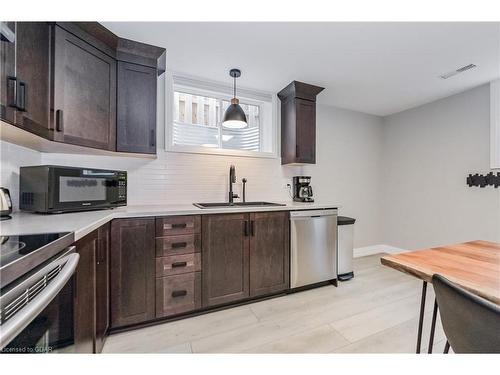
{"points": [[12, 157], [185, 178]]}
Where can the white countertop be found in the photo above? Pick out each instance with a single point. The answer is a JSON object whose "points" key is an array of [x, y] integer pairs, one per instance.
{"points": [[82, 223]]}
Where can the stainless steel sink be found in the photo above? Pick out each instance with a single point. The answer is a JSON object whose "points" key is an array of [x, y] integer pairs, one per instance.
{"points": [[237, 204]]}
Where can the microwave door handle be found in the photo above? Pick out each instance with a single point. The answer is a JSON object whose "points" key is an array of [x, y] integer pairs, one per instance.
{"points": [[12, 327], [97, 174]]}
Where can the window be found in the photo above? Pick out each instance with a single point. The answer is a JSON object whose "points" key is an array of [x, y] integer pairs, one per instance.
{"points": [[195, 121], [495, 124]]}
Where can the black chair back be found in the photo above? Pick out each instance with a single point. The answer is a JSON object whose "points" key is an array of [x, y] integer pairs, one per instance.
{"points": [[471, 323]]}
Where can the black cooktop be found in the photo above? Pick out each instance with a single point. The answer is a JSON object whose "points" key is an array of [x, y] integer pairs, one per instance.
{"points": [[20, 254]]}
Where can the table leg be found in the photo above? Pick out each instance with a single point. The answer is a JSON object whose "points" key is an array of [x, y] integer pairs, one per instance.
{"points": [[421, 320], [433, 326], [446, 347]]}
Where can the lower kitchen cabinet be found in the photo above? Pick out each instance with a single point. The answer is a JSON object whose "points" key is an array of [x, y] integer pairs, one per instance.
{"points": [[102, 286], [244, 255], [91, 308], [269, 253], [178, 294], [85, 293], [132, 272], [225, 254], [129, 273]]}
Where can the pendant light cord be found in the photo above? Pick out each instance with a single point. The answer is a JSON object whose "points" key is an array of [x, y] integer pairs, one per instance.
{"points": [[234, 87]]}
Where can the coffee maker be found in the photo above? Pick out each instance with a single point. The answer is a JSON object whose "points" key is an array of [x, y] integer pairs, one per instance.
{"points": [[302, 190]]}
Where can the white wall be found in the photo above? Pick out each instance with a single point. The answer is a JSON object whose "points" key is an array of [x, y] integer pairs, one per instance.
{"points": [[349, 161], [11, 158], [428, 153], [348, 157]]}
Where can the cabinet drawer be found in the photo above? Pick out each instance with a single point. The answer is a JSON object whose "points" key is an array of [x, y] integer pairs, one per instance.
{"points": [[174, 245], [177, 264], [178, 294], [174, 225]]}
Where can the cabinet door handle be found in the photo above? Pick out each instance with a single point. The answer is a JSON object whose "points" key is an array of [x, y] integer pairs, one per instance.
{"points": [[252, 228], [101, 250], [12, 91], [152, 138], [176, 245], [179, 264], [97, 252], [21, 99], [246, 228], [59, 120], [179, 293]]}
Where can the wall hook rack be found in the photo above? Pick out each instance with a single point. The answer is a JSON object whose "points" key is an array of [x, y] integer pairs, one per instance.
{"points": [[482, 180]]}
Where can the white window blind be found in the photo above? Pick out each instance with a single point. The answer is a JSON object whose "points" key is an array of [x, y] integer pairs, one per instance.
{"points": [[197, 121]]}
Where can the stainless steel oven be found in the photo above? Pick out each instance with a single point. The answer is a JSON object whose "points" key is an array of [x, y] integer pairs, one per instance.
{"points": [[36, 310], [54, 189]]}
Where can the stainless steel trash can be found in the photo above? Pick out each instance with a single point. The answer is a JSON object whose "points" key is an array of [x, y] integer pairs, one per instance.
{"points": [[345, 247]]}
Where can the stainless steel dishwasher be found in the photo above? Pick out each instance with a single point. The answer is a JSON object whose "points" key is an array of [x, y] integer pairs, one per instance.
{"points": [[313, 246]]}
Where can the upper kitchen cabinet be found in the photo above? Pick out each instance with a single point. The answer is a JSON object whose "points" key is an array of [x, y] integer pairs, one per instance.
{"points": [[84, 93], [138, 67], [298, 123], [25, 73], [78, 83]]}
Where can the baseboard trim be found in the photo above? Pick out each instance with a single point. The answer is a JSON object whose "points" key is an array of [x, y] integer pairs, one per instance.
{"points": [[376, 249]]}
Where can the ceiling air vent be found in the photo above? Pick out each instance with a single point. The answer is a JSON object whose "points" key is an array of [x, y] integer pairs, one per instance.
{"points": [[458, 71]]}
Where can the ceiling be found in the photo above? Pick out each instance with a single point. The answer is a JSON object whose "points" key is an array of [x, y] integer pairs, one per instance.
{"points": [[377, 68]]}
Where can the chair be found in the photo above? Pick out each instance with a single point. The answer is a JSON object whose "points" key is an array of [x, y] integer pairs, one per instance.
{"points": [[471, 323]]}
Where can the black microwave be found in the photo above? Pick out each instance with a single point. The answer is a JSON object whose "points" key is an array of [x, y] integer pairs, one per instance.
{"points": [[55, 189]]}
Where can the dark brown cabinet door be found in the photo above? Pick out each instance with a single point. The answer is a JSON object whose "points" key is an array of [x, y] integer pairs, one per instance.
{"points": [[102, 286], [269, 253], [306, 131], [136, 109], [33, 76], [25, 76], [132, 273], [84, 93], [225, 240], [298, 123], [85, 294], [8, 84]]}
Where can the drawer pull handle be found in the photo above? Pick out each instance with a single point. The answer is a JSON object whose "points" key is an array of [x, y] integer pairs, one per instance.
{"points": [[177, 245], [178, 226], [179, 293], [179, 264]]}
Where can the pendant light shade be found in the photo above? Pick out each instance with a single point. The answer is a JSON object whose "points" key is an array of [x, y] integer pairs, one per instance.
{"points": [[234, 117]]}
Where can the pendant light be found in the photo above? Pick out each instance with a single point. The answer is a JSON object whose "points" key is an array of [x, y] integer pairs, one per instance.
{"points": [[234, 117]]}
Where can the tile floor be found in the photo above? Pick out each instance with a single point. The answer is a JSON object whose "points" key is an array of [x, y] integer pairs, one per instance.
{"points": [[376, 312]]}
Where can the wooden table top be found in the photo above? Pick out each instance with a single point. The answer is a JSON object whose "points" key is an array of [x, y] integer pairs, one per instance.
{"points": [[474, 265]]}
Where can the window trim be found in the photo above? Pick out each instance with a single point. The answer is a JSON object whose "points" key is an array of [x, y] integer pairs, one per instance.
{"points": [[495, 124], [209, 88]]}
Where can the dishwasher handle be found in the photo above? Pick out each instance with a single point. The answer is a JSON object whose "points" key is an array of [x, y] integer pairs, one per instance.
{"points": [[308, 214]]}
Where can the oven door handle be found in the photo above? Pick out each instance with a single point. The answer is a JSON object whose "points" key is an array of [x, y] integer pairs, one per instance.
{"points": [[13, 326]]}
